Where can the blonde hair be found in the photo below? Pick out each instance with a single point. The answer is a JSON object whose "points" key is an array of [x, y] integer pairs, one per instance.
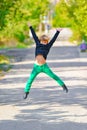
{"points": [[44, 38]]}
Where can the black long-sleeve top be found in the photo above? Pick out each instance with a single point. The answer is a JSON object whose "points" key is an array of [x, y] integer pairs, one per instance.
{"points": [[41, 48]]}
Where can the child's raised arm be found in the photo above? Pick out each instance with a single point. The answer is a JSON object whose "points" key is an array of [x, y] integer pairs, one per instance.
{"points": [[33, 33], [55, 36]]}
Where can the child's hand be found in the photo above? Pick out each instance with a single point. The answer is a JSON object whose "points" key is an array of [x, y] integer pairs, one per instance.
{"points": [[59, 29], [29, 24]]}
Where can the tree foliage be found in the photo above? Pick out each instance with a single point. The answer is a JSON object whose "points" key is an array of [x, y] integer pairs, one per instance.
{"points": [[14, 15], [60, 15], [72, 13]]}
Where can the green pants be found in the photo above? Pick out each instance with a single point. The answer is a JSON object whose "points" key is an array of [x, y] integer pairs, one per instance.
{"points": [[38, 69]]}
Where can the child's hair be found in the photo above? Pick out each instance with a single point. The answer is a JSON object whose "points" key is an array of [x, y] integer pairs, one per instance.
{"points": [[44, 38]]}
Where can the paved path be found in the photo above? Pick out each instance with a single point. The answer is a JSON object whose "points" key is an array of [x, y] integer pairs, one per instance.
{"points": [[48, 107]]}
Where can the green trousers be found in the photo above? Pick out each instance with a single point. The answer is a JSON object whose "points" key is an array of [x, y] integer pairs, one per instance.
{"points": [[38, 69]]}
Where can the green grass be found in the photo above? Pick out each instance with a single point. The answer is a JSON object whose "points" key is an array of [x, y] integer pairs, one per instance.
{"points": [[4, 59], [4, 64]]}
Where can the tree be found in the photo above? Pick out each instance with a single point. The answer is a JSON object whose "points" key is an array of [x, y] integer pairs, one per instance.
{"points": [[78, 12], [73, 14], [60, 15], [5, 6], [15, 14]]}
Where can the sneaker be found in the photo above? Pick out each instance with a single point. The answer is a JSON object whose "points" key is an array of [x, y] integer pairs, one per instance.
{"points": [[26, 95], [65, 88]]}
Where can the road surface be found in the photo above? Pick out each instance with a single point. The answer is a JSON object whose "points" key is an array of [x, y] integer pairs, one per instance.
{"points": [[47, 107]]}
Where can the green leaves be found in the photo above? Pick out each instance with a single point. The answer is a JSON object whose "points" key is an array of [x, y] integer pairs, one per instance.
{"points": [[72, 13], [14, 15]]}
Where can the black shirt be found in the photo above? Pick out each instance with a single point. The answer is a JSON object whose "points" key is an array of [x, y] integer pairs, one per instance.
{"points": [[41, 48]]}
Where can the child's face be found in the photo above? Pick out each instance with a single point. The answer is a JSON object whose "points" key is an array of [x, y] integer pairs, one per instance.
{"points": [[44, 42]]}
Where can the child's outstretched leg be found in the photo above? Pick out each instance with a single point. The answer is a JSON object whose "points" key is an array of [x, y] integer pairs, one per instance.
{"points": [[29, 82], [48, 71]]}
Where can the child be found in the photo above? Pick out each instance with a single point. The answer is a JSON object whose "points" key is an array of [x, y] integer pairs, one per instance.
{"points": [[43, 46]]}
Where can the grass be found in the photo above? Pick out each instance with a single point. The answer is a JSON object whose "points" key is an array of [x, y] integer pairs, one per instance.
{"points": [[4, 59], [4, 65]]}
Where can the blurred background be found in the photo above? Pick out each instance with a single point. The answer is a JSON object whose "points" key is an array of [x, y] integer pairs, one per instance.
{"points": [[71, 15]]}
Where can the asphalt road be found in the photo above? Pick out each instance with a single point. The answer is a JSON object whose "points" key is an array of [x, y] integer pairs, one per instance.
{"points": [[47, 107]]}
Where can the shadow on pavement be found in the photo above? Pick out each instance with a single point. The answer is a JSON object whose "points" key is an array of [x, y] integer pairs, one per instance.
{"points": [[34, 124], [44, 110], [48, 106]]}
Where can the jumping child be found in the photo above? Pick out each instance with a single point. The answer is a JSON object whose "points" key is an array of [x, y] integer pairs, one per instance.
{"points": [[43, 45]]}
